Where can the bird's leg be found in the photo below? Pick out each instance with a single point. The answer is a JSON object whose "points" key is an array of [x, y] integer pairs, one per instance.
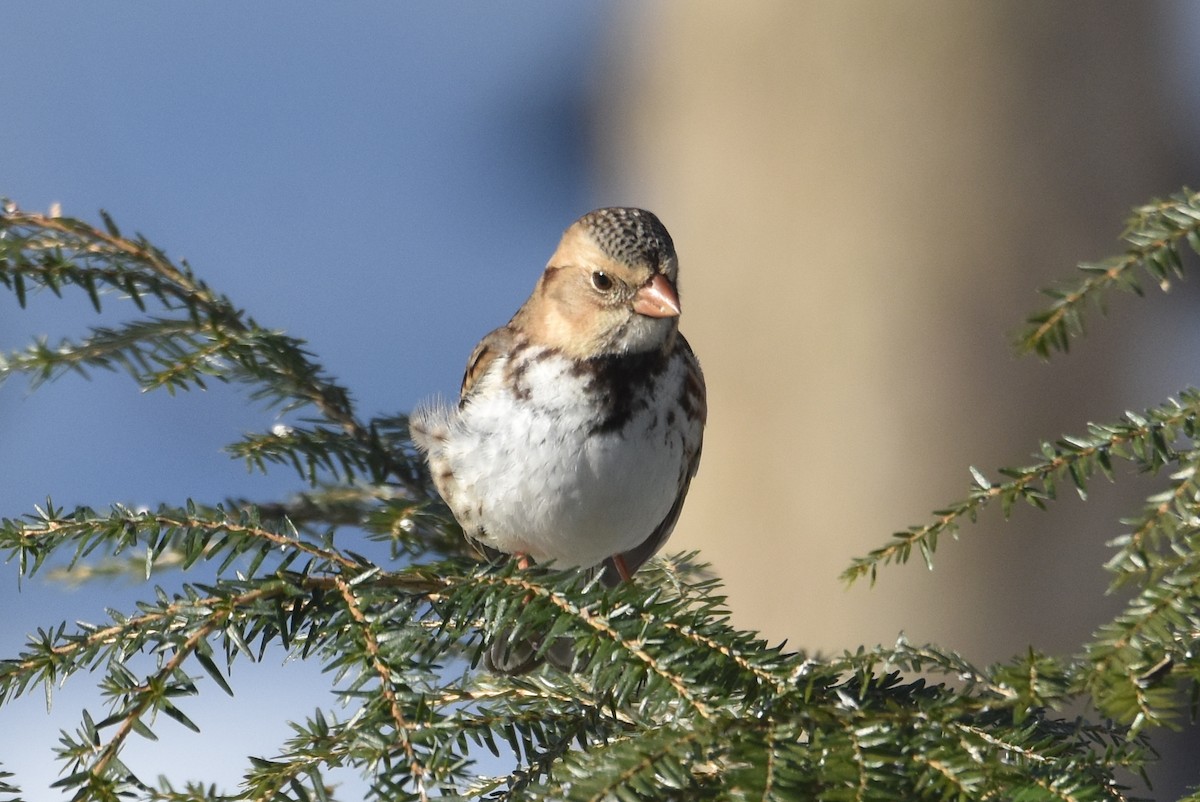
{"points": [[523, 561], [622, 568]]}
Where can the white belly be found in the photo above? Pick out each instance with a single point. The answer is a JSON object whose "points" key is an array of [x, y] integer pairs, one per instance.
{"points": [[544, 485]]}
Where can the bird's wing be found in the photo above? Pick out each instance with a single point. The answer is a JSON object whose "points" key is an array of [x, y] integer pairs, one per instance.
{"points": [[495, 344]]}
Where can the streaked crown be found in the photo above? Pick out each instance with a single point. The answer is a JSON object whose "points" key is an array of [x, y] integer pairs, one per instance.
{"points": [[628, 235]]}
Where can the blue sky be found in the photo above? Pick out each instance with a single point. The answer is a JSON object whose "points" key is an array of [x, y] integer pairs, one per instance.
{"points": [[385, 183]]}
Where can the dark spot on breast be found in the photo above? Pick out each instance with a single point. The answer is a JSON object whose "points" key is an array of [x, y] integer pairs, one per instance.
{"points": [[622, 385]]}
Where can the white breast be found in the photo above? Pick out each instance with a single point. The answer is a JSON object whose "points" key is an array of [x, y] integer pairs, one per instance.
{"points": [[542, 483]]}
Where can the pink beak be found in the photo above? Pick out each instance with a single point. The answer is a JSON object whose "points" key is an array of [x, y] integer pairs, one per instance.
{"points": [[656, 298]]}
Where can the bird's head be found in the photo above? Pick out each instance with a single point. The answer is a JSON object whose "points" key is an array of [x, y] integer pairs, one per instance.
{"points": [[610, 287]]}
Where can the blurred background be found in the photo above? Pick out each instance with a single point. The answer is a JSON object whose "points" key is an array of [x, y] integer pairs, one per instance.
{"points": [[865, 197]]}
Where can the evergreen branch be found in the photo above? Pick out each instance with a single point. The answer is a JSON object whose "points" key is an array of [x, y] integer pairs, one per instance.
{"points": [[51, 252], [958, 784], [603, 626], [384, 676], [1144, 440], [741, 658], [196, 533], [923, 659], [235, 610], [11, 792], [543, 717], [183, 626], [542, 764], [1031, 683], [137, 347], [1060, 788], [308, 450], [862, 780], [145, 698], [56, 654], [772, 742], [550, 709], [966, 732], [540, 738], [972, 732], [437, 719], [652, 765], [518, 691], [1131, 656], [382, 511], [248, 530], [336, 505], [317, 744], [1163, 536], [1153, 233], [886, 699], [669, 701]]}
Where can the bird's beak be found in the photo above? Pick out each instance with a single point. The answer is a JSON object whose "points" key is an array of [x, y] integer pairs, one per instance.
{"points": [[656, 298]]}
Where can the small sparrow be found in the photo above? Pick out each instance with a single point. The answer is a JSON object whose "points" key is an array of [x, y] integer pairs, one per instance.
{"points": [[579, 424]]}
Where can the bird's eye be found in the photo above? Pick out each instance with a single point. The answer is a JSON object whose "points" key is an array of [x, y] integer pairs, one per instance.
{"points": [[602, 281]]}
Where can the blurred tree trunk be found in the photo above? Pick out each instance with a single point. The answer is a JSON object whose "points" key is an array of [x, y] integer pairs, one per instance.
{"points": [[865, 197]]}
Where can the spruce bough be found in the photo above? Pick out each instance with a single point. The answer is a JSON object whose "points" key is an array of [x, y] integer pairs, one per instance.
{"points": [[675, 702]]}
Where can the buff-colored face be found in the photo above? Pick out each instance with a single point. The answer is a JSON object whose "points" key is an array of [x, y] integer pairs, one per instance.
{"points": [[590, 302]]}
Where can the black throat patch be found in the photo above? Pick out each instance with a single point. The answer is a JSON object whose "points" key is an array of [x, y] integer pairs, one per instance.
{"points": [[621, 384]]}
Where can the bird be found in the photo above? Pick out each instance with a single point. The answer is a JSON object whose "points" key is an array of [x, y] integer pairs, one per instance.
{"points": [[579, 423]]}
